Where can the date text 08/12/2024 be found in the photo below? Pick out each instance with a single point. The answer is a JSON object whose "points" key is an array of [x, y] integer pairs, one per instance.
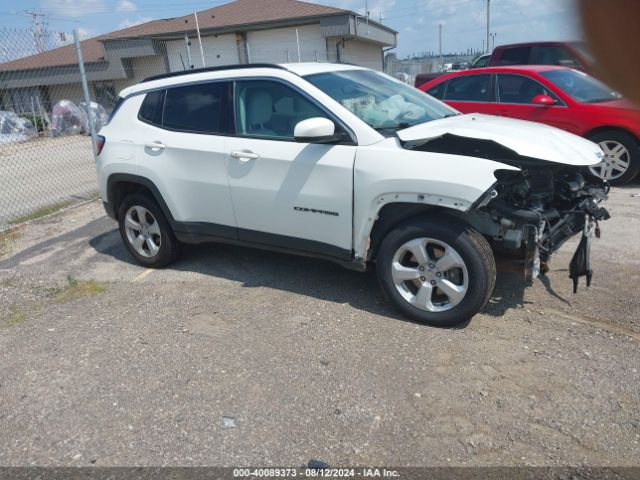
{"points": [[314, 473]]}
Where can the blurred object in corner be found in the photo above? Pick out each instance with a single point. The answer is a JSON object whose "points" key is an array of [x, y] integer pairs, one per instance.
{"points": [[611, 31]]}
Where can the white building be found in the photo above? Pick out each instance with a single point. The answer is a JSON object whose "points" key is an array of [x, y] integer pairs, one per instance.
{"points": [[243, 31]]}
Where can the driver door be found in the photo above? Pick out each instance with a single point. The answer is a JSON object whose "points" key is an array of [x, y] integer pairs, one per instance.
{"points": [[285, 193]]}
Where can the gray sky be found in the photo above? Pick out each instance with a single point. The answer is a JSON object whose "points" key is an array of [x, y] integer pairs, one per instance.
{"points": [[464, 21]]}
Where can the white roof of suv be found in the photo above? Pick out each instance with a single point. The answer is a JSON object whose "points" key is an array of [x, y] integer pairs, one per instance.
{"points": [[173, 78], [310, 68]]}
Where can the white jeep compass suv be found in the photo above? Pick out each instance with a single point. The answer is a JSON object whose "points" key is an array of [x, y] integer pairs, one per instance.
{"points": [[347, 164]]}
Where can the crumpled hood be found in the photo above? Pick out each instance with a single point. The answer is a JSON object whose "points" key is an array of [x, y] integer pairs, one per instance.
{"points": [[529, 139]]}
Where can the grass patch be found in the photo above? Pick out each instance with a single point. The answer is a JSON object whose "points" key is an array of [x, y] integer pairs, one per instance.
{"points": [[76, 289], [43, 211], [16, 316], [7, 240]]}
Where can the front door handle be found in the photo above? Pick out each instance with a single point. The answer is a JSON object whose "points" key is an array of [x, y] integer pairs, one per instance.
{"points": [[244, 156], [155, 146]]}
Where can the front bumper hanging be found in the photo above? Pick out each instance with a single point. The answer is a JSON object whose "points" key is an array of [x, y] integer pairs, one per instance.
{"points": [[580, 265]]}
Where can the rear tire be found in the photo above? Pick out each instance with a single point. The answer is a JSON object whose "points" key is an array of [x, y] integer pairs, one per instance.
{"points": [[146, 232], [620, 149], [440, 272]]}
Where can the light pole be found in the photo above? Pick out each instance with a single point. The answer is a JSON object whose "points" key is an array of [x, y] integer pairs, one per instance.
{"points": [[440, 43], [488, 21], [493, 41]]}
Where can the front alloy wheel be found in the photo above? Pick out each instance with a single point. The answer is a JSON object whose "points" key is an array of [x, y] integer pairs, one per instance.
{"points": [[436, 270], [430, 274]]}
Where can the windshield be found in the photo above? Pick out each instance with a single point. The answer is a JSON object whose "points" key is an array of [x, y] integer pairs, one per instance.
{"points": [[582, 49], [580, 86], [379, 100]]}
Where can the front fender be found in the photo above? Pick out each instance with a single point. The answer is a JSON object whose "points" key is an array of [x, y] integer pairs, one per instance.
{"points": [[390, 174]]}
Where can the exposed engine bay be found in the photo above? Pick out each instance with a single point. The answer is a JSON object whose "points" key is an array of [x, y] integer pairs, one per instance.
{"points": [[533, 211]]}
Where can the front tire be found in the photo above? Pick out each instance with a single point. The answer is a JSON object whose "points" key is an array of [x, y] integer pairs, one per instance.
{"points": [[146, 232], [621, 163], [438, 272]]}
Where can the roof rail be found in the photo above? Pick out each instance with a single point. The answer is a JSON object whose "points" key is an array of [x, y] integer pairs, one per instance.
{"points": [[213, 69]]}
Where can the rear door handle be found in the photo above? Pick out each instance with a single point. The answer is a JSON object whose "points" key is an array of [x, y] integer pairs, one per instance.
{"points": [[155, 146], [244, 156]]}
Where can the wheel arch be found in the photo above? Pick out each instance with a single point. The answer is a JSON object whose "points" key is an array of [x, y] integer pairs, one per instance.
{"points": [[393, 214], [119, 185], [608, 128]]}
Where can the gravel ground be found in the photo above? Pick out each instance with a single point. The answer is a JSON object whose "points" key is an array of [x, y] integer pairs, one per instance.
{"points": [[243, 357]]}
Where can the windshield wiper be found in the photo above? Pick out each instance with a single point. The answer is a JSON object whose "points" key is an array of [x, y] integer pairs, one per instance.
{"points": [[403, 125], [399, 126]]}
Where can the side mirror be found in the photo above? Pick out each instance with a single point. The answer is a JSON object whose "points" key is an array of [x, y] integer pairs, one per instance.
{"points": [[317, 130], [543, 100]]}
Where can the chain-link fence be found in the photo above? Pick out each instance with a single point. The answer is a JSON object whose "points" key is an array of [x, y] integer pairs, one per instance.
{"points": [[45, 155], [46, 158]]}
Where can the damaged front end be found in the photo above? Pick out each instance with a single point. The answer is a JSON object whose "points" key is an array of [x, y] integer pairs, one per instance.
{"points": [[531, 212], [548, 205]]}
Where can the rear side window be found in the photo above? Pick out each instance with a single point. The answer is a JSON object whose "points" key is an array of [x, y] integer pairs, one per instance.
{"points": [[201, 108], [116, 107], [515, 56], [468, 88], [151, 109]]}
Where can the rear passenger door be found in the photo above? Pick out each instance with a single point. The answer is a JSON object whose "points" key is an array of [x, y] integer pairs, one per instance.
{"points": [[468, 93], [183, 150]]}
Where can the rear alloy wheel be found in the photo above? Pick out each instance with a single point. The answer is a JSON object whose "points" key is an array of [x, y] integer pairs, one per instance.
{"points": [[439, 272], [145, 231], [621, 161]]}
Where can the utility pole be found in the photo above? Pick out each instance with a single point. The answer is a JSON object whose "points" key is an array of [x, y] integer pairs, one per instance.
{"points": [[38, 33], [488, 22], [440, 43]]}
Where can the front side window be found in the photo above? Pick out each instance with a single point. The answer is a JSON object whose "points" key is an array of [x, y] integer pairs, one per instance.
{"points": [[520, 89], [580, 86], [555, 55], [265, 108], [379, 100], [482, 61], [468, 88]]}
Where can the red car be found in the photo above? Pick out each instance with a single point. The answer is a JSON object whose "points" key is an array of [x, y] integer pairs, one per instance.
{"points": [[558, 96]]}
